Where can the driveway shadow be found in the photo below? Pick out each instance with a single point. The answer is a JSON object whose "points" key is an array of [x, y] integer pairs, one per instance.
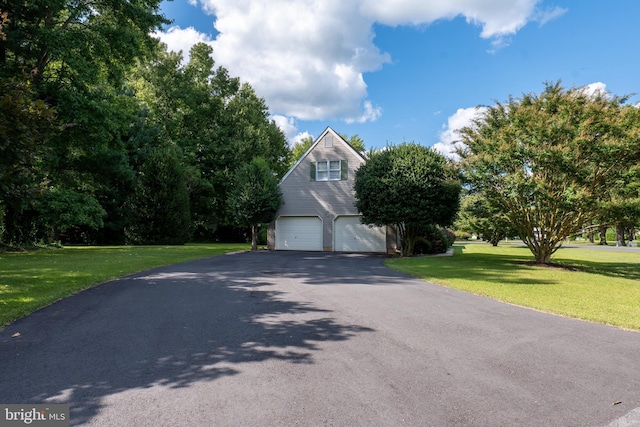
{"points": [[171, 327]]}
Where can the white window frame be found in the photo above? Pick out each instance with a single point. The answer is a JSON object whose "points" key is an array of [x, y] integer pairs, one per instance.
{"points": [[328, 170]]}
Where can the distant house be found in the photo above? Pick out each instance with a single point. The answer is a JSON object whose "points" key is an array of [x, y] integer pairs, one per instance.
{"points": [[318, 213]]}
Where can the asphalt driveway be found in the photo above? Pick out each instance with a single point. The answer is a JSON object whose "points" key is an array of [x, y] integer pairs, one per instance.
{"points": [[284, 338]]}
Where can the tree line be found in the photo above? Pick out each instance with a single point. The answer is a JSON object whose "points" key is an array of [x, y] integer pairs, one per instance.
{"points": [[107, 137]]}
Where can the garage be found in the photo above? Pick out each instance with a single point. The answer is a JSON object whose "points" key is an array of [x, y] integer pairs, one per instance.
{"points": [[353, 236], [299, 233]]}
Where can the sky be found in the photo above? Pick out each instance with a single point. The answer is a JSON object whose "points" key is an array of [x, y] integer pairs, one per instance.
{"points": [[395, 71]]}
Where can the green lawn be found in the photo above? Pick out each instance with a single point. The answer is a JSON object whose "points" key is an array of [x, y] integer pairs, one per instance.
{"points": [[34, 279], [600, 286]]}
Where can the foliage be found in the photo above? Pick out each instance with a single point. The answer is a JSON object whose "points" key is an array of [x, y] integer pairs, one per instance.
{"points": [[355, 141], [160, 207], [219, 123], [433, 240], [462, 235], [477, 215], [255, 197], [73, 56], [299, 148], [450, 235], [595, 285], [546, 160], [62, 209], [77, 43], [117, 95], [26, 126], [410, 186], [621, 207]]}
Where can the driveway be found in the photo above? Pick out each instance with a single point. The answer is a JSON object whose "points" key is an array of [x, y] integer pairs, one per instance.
{"points": [[285, 338]]}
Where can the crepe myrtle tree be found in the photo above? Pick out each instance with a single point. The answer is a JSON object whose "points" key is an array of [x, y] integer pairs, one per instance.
{"points": [[410, 186], [255, 197], [479, 216], [547, 161]]}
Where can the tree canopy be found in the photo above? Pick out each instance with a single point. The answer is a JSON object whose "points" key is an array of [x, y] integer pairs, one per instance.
{"points": [[478, 215], [546, 161], [410, 186], [88, 97], [255, 197]]}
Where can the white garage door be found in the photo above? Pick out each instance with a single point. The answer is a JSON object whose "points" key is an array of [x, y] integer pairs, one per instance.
{"points": [[299, 233], [352, 236]]}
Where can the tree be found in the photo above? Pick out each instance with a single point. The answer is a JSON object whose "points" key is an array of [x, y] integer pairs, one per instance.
{"points": [[218, 123], [410, 186], [62, 209], [74, 55], [160, 207], [547, 160], [478, 216], [26, 127], [299, 148], [255, 197], [355, 141]]}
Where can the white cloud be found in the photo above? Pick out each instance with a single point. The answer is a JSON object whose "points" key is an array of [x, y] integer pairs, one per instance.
{"points": [[449, 138], [544, 16], [496, 17], [595, 89], [308, 58], [370, 113], [182, 39], [300, 136], [287, 125]]}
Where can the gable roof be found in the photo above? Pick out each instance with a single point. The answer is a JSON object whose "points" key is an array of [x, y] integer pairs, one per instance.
{"points": [[322, 135]]}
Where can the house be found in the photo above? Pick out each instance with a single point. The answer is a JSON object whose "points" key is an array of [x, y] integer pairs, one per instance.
{"points": [[318, 213]]}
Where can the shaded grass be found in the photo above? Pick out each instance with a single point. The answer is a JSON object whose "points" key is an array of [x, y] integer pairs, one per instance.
{"points": [[594, 285], [34, 279]]}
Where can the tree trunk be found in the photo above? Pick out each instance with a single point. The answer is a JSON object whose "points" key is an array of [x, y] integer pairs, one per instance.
{"points": [[12, 234], [631, 236], [591, 233], [409, 240], [254, 237], [543, 254], [620, 237], [603, 234]]}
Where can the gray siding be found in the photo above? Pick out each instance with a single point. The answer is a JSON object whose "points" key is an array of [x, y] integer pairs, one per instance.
{"points": [[325, 199]]}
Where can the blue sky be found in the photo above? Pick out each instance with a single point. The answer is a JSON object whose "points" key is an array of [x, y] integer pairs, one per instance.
{"points": [[397, 70]]}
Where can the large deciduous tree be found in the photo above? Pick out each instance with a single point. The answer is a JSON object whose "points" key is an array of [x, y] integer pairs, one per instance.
{"points": [[26, 127], [410, 186], [479, 216], [219, 123], [160, 206], [255, 197], [547, 160], [75, 55]]}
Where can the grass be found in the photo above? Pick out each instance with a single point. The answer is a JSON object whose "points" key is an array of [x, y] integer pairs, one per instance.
{"points": [[31, 280], [593, 285]]}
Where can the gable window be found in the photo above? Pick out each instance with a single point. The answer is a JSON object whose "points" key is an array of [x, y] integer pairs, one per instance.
{"points": [[328, 170]]}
